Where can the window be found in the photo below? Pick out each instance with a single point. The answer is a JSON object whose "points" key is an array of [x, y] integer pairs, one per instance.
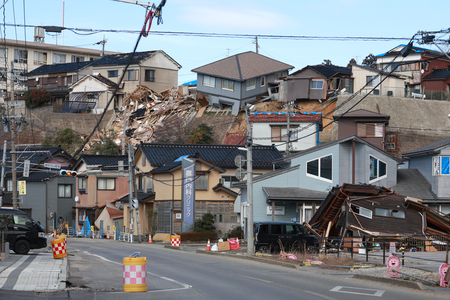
{"points": [[370, 129], [362, 211], [22, 220], [149, 184], [144, 160], [150, 75], [82, 183], [377, 168], [263, 81], [9, 186], [227, 84], [383, 212], [3, 55], [76, 58], [441, 165], [228, 180], [371, 80], [59, 58], [250, 84], [321, 167], [113, 73], [130, 75], [20, 56], [40, 58], [317, 84], [106, 183], [64, 190], [280, 133], [209, 81], [201, 181]]}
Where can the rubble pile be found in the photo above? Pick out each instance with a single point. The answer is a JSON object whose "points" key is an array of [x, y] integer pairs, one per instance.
{"points": [[146, 109]]}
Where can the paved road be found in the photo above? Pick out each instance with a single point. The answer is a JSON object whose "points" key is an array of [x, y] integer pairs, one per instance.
{"points": [[96, 266]]}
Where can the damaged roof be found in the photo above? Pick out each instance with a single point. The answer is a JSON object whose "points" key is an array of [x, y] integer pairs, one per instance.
{"points": [[327, 70], [105, 162], [123, 58], [243, 66], [282, 117]]}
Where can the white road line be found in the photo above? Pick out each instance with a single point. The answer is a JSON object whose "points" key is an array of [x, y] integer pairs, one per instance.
{"points": [[259, 279], [377, 293], [184, 285]]}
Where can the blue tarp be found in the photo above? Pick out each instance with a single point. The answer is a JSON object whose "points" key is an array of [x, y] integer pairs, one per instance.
{"points": [[88, 227]]}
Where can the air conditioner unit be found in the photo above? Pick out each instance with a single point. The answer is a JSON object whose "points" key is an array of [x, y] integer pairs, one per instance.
{"points": [[390, 146]]}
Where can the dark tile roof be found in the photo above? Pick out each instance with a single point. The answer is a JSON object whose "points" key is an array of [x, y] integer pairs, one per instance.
{"points": [[40, 176], [410, 182], [439, 74], [235, 139], [292, 194], [140, 196], [107, 162], [432, 148], [218, 155], [122, 58], [282, 117], [167, 168], [243, 66], [59, 68], [362, 113], [42, 154], [327, 70]]}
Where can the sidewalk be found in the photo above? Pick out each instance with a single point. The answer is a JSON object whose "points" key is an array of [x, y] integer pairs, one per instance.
{"points": [[37, 271]]}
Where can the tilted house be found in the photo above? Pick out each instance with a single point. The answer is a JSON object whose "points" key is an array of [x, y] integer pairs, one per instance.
{"points": [[153, 69], [158, 171], [239, 79]]}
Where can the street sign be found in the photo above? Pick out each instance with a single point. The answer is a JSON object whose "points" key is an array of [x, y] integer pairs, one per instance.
{"points": [[240, 173], [22, 187], [26, 168], [239, 161], [134, 203], [52, 166]]}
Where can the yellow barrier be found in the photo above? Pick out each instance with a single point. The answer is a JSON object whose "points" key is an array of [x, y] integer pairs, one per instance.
{"points": [[134, 274], [58, 248]]}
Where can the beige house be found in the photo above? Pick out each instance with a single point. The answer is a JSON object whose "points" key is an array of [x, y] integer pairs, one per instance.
{"points": [[24, 56], [393, 84], [153, 69]]}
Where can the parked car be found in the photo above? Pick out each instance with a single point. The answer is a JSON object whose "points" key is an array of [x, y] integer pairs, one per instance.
{"points": [[21, 231], [291, 235]]}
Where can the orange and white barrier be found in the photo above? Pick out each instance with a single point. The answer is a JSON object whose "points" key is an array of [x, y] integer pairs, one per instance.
{"points": [[208, 247]]}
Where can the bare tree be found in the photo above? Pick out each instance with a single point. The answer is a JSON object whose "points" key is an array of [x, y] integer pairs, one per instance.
{"points": [[370, 61], [171, 131]]}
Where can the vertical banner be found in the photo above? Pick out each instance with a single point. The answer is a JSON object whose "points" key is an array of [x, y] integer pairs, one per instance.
{"points": [[188, 195], [22, 187]]}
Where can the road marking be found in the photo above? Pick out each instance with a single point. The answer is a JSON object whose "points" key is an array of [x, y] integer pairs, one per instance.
{"points": [[358, 291], [259, 279], [184, 285], [319, 295]]}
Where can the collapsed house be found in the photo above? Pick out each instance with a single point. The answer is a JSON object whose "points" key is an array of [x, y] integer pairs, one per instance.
{"points": [[144, 109], [375, 212]]}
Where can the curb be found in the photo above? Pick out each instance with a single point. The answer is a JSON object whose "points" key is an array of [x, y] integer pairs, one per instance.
{"points": [[254, 258], [393, 281], [64, 274], [174, 248]]}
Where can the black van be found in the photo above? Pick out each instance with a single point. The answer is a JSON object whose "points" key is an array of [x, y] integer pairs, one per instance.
{"points": [[22, 232], [293, 235]]}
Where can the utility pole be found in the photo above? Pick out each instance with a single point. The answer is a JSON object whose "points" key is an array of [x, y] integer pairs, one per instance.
{"points": [[3, 173], [124, 130], [250, 242], [256, 42], [102, 42], [130, 191], [12, 123], [288, 145]]}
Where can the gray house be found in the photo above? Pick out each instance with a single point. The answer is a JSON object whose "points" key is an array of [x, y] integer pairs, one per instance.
{"points": [[295, 192], [48, 196], [239, 79], [433, 162]]}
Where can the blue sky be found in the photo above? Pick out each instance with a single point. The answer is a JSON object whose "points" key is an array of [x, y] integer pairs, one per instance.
{"points": [[337, 18]]}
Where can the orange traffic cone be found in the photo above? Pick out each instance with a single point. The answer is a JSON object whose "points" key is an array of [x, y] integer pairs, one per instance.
{"points": [[237, 240], [208, 247], [150, 239]]}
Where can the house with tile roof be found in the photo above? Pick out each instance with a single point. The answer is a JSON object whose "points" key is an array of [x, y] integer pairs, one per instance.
{"points": [[58, 78], [319, 82], [153, 69], [296, 191], [415, 66], [304, 129], [92, 94], [48, 196], [161, 161], [436, 84], [106, 183], [239, 79], [433, 162]]}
